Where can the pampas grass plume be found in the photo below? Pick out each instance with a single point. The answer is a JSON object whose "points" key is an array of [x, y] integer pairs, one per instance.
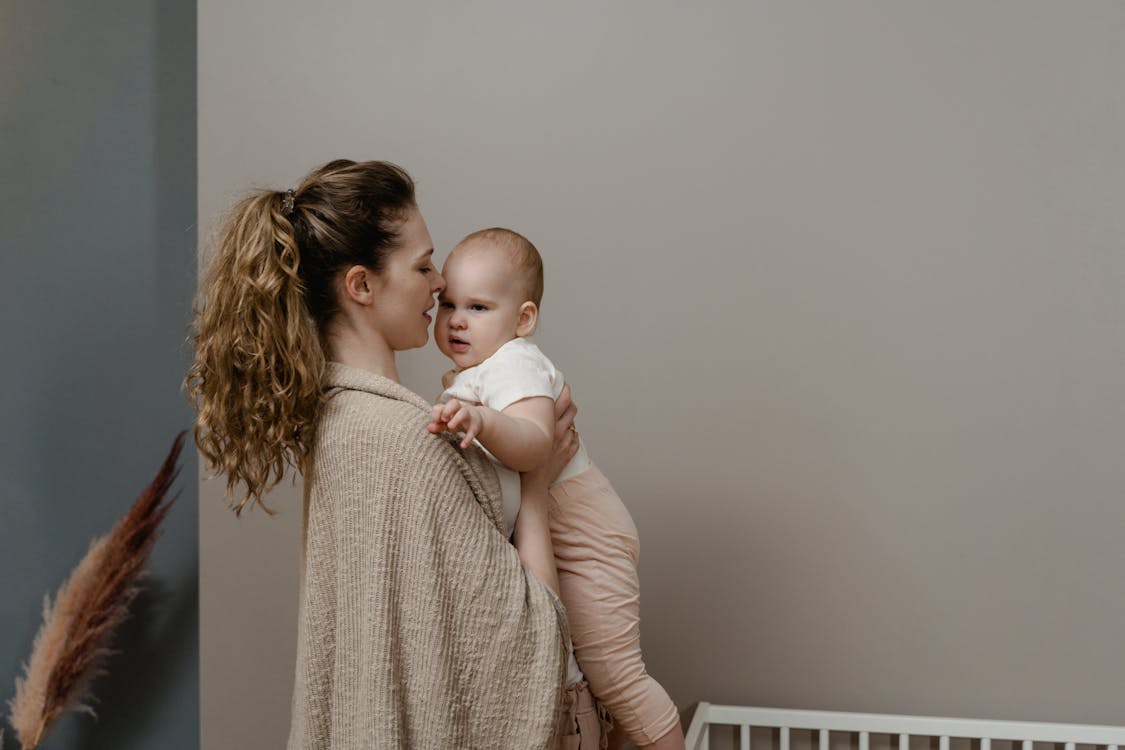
{"points": [[72, 642]]}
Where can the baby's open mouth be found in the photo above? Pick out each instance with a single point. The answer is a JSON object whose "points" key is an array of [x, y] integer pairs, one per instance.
{"points": [[457, 344]]}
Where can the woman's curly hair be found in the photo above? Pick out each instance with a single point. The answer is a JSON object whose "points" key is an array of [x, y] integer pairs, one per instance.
{"points": [[262, 310]]}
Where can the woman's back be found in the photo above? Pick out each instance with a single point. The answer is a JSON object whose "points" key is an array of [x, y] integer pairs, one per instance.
{"points": [[419, 627]]}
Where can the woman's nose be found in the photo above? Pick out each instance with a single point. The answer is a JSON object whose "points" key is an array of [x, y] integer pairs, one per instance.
{"points": [[438, 284]]}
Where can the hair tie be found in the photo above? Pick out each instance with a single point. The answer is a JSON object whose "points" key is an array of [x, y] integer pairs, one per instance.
{"points": [[287, 202]]}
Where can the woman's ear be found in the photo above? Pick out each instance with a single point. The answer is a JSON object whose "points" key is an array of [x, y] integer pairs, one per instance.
{"points": [[358, 285], [529, 317]]}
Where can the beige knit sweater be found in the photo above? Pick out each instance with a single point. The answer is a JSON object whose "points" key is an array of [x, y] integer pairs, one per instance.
{"points": [[418, 627]]}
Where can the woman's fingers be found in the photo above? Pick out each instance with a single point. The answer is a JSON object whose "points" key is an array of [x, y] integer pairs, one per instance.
{"points": [[565, 409], [571, 447], [564, 401], [565, 422], [566, 438]]}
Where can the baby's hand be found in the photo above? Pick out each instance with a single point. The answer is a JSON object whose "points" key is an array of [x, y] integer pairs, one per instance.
{"points": [[457, 416]]}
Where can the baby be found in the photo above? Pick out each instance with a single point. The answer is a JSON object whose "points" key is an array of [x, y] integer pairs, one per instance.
{"points": [[501, 393]]}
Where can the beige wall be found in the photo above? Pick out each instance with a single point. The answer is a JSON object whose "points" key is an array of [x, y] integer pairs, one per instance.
{"points": [[838, 286]]}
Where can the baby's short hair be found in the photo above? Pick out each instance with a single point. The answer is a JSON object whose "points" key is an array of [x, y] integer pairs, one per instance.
{"points": [[524, 256]]}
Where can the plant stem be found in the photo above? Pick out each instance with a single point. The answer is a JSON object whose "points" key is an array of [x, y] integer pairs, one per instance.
{"points": [[38, 735]]}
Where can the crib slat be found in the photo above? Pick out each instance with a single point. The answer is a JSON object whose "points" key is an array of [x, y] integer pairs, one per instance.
{"points": [[863, 741], [744, 737], [976, 733]]}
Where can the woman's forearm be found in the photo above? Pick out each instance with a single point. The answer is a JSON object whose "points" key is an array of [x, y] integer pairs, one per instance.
{"points": [[533, 537], [533, 532]]}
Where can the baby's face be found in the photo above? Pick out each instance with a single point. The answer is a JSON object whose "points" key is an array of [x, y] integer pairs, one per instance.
{"points": [[479, 310]]}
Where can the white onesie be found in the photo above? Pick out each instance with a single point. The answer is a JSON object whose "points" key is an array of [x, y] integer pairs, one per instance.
{"points": [[517, 370]]}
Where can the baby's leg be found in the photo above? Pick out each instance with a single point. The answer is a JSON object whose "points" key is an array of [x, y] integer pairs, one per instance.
{"points": [[596, 551]]}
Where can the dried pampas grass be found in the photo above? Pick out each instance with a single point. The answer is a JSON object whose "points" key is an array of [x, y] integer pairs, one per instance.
{"points": [[72, 641]]}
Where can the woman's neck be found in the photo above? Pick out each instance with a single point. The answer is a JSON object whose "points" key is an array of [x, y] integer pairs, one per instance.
{"points": [[364, 349]]}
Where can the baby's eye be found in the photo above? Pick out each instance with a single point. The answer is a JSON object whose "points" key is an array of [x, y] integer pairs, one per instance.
{"points": [[477, 308], [446, 305]]}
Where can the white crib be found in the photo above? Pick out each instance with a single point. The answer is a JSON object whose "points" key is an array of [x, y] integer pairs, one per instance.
{"points": [[904, 727]]}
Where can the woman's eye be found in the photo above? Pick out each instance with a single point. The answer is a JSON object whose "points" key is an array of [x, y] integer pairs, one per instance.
{"points": [[426, 269]]}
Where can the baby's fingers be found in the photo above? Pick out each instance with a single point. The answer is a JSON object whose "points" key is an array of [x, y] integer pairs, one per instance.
{"points": [[449, 408], [457, 420], [470, 434]]}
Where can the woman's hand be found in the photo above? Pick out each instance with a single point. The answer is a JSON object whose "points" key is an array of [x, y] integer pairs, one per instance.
{"points": [[563, 448]]}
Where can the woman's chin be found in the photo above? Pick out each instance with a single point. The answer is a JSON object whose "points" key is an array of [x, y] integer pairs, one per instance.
{"points": [[417, 342]]}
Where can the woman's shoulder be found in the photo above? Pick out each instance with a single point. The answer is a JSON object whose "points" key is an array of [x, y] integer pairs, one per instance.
{"points": [[363, 410], [339, 378], [361, 419], [363, 436]]}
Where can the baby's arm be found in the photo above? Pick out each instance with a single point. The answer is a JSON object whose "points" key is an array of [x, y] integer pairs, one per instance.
{"points": [[520, 436]]}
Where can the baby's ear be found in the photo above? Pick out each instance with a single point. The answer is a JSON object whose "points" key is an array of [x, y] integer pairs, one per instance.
{"points": [[529, 317]]}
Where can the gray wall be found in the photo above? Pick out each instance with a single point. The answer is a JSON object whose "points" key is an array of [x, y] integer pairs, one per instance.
{"points": [[838, 286], [97, 240]]}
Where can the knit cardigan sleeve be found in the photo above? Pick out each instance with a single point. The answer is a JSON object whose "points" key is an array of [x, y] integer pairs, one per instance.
{"points": [[418, 627]]}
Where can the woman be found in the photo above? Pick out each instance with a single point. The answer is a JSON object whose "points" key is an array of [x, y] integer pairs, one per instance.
{"points": [[419, 624]]}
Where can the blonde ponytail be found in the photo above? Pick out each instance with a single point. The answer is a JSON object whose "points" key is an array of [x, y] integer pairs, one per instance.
{"points": [[256, 379], [263, 307]]}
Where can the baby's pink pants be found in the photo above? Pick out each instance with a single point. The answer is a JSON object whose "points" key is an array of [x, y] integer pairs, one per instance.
{"points": [[596, 551]]}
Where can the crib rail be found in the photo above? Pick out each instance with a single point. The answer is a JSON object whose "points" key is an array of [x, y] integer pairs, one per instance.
{"points": [[905, 727]]}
